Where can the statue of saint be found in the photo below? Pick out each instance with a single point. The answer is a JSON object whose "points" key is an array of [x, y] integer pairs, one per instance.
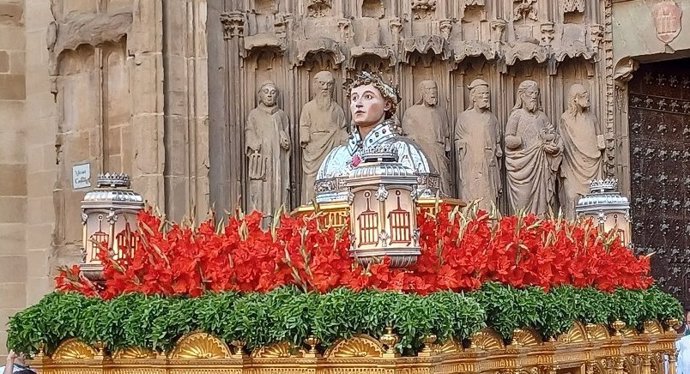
{"points": [[427, 124], [478, 149], [533, 153], [268, 145], [372, 103], [582, 149], [322, 126]]}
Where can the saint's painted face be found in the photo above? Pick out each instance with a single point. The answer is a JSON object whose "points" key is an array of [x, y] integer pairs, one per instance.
{"points": [[367, 105], [480, 96], [530, 98], [430, 93], [268, 95]]}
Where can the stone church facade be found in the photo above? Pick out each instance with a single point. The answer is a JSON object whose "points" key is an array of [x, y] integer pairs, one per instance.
{"points": [[162, 90]]}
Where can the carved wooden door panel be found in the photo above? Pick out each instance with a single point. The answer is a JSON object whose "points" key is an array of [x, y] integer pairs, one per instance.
{"points": [[659, 120]]}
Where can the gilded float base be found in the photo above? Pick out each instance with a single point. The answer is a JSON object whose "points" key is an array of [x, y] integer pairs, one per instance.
{"points": [[591, 349]]}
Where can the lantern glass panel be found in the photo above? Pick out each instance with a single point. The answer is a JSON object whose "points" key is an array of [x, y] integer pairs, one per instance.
{"points": [[124, 239], [400, 219], [96, 232], [618, 222], [366, 218]]}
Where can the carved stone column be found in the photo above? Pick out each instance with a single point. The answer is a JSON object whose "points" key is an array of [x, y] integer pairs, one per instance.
{"points": [[186, 134], [226, 103]]}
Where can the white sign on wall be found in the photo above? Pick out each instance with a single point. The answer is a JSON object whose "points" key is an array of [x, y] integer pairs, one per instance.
{"points": [[81, 176]]}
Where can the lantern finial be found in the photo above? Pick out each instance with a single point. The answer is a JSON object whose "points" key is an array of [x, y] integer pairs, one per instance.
{"points": [[113, 180], [603, 185]]}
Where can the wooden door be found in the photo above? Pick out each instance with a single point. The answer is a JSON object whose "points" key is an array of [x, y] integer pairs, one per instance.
{"points": [[659, 120]]}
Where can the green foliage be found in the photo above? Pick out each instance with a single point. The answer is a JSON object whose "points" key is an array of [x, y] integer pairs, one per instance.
{"points": [[658, 305], [628, 307], [501, 305], [288, 314], [593, 306]]}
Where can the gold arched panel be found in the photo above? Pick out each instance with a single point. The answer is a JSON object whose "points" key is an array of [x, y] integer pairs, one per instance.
{"points": [[629, 332], [576, 334], [134, 353], [74, 349], [526, 338], [597, 332], [200, 345], [356, 347], [653, 327], [278, 350], [450, 346], [487, 339]]}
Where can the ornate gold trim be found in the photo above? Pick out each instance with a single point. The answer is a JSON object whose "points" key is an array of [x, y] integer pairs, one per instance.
{"points": [[279, 350], [73, 349], [134, 353], [629, 332], [363, 354], [653, 328], [200, 345], [487, 339], [597, 332], [358, 346], [450, 346], [526, 338], [576, 334]]}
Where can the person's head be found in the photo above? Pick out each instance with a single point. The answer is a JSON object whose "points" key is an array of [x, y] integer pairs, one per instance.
{"points": [[323, 83], [578, 98], [429, 92], [479, 94], [528, 96], [371, 99], [268, 94]]}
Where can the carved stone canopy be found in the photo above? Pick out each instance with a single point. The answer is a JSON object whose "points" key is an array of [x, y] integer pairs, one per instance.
{"points": [[423, 44], [319, 44]]}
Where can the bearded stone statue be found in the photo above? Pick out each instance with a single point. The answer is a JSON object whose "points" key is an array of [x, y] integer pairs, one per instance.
{"points": [[322, 127], [427, 124], [478, 149], [582, 149], [533, 153]]}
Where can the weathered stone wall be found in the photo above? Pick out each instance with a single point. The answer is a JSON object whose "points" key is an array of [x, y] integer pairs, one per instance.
{"points": [[13, 162], [109, 83]]}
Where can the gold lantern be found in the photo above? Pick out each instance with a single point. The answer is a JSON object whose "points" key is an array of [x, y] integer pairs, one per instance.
{"points": [[607, 207], [109, 216], [383, 198]]}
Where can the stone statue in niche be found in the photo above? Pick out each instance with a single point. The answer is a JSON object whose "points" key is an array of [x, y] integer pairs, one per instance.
{"points": [[582, 149], [533, 153], [423, 9], [525, 9], [427, 124], [478, 149], [322, 127], [267, 147], [319, 8]]}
